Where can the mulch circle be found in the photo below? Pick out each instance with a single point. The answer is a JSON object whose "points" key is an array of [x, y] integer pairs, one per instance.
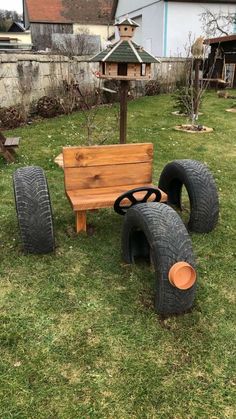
{"points": [[193, 129], [176, 113], [232, 110]]}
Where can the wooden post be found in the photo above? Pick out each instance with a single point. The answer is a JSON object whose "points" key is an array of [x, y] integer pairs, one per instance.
{"points": [[196, 99], [123, 110], [80, 221]]}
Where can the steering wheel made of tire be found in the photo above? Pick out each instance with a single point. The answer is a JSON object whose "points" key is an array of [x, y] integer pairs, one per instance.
{"points": [[130, 195]]}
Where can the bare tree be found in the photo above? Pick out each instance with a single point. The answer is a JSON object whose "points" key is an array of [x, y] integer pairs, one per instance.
{"points": [[70, 46], [80, 44], [217, 23], [98, 131], [189, 97], [6, 19]]}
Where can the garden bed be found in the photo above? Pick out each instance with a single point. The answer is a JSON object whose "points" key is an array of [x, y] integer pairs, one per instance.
{"points": [[193, 129], [232, 110]]}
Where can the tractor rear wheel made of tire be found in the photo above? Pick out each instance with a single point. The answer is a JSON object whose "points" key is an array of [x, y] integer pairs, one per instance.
{"points": [[202, 197], [33, 209], [155, 231]]}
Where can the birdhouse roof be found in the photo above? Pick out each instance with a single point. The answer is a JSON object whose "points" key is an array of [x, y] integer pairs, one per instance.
{"points": [[126, 52], [128, 22]]}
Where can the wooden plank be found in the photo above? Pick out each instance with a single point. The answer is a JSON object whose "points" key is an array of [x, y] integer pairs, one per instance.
{"points": [[104, 197], [59, 160], [12, 142], [107, 155], [107, 176]]}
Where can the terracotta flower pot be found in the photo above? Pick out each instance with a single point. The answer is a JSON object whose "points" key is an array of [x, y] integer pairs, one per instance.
{"points": [[182, 275]]}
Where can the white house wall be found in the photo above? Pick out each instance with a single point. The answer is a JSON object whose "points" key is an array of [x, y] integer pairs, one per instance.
{"points": [[184, 19], [151, 17], [125, 6], [165, 26]]}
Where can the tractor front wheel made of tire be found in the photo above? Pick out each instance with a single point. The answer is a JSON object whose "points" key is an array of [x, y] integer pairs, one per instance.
{"points": [[202, 197], [155, 231], [34, 210]]}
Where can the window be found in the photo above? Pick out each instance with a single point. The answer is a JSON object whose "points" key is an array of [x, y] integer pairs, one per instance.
{"points": [[143, 69], [122, 69], [103, 68]]}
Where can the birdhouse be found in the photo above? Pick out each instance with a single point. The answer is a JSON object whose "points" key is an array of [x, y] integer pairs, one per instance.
{"points": [[125, 60]]}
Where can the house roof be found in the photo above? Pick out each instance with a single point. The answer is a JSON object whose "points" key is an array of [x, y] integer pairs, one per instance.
{"points": [[220, 39], [70, 11], [125, 52], [48, 11], [16, 25], [127, 22]]}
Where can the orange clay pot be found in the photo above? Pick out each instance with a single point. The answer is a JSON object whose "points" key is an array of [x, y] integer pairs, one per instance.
{"points": [[182, 275]]}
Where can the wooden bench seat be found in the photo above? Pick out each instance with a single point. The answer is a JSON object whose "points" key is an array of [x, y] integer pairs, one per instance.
{"points": [[96, 176], [100, 198]]}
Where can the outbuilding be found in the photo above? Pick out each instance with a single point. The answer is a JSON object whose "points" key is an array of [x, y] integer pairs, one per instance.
{"points": [[221, 63]]}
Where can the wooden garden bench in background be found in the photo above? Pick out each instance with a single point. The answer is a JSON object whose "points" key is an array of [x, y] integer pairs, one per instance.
{"points": [[8, 146], [96, 176]]}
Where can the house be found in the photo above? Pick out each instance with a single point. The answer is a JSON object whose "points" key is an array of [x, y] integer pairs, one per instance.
{"points": [[15, 38], [46, 18], [16, 27], [165, 25]]}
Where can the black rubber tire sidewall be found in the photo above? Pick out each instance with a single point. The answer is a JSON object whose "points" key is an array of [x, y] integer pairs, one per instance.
{"points": [[201, 188], [34, 210], [169, 243]]}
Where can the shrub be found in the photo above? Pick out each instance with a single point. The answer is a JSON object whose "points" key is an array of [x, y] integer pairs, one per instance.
{"points": [[48, 106], [12, 117], [183, 98], [152, 88]]}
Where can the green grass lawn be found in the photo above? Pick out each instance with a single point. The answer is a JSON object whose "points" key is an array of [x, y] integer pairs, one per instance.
{"points": [[79, 335]]}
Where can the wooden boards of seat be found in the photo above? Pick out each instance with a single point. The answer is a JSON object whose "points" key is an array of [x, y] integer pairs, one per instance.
{"points": [[107, 155], [99, 198], [107, 176], [96, 176], [107, 166]]}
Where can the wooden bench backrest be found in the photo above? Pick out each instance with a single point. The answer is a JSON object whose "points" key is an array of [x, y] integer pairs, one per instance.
{"points": [[107, 166]]}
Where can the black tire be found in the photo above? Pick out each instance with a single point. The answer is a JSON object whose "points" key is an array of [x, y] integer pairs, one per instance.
{"points": [[156, 231], [201, 188], [34, 211]]}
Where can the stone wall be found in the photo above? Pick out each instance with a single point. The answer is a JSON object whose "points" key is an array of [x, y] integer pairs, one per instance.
{"points": [[25, 77]]}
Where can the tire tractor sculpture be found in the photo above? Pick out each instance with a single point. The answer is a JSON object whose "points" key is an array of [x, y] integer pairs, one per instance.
{"points": [[121, 176], [152, 229]]}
